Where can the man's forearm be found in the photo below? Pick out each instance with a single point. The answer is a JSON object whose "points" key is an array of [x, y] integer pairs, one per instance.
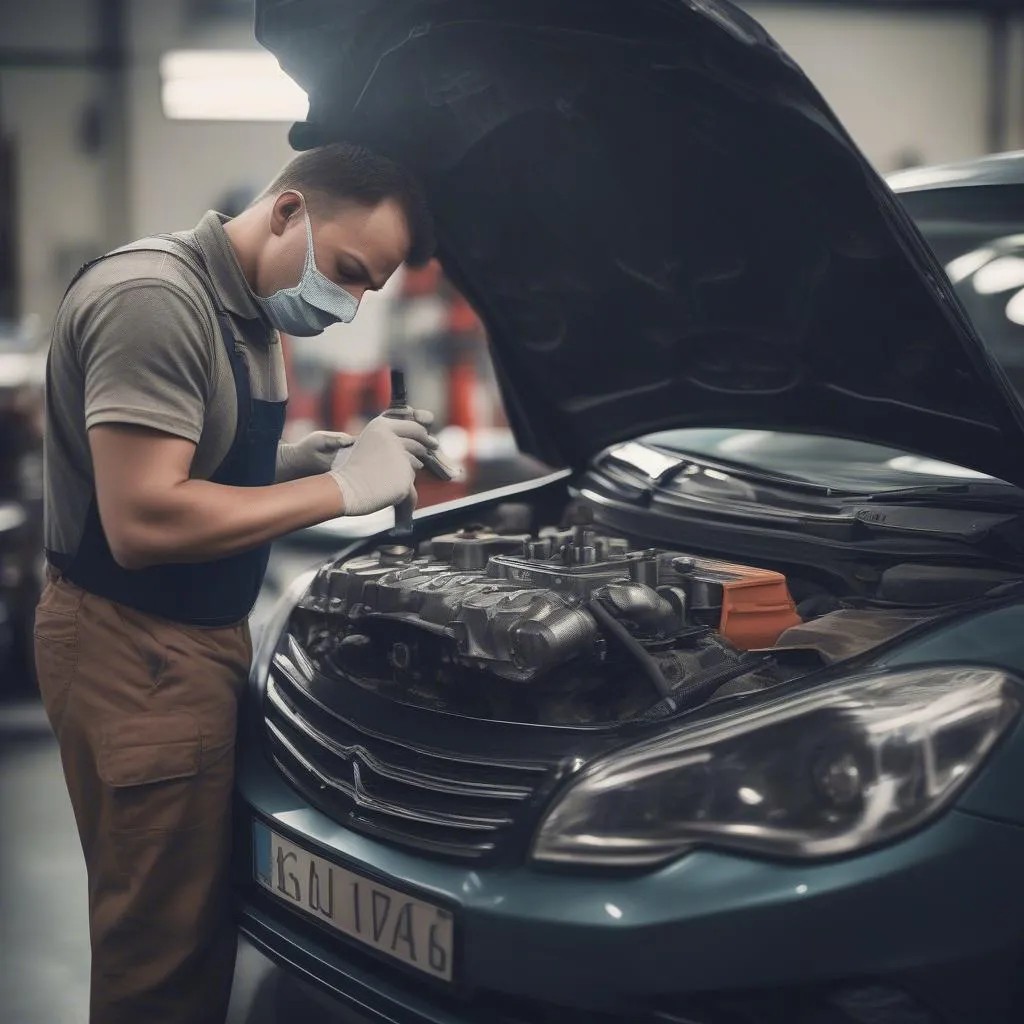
{"points": [[199, 521]]}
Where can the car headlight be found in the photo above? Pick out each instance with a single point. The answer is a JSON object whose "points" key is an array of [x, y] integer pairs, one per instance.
{"points": [[814, 774]]}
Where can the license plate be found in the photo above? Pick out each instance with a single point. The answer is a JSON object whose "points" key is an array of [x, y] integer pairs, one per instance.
{"points": [[409, 929]]}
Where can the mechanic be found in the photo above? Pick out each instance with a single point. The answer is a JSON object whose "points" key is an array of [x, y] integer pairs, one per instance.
{"points": [[166, 481]]}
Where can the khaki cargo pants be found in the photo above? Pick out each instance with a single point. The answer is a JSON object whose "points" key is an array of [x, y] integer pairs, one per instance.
{"points": [[145, 713]]}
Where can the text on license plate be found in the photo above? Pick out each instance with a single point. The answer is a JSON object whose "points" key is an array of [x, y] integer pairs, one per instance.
{"points": [[409, 929]]}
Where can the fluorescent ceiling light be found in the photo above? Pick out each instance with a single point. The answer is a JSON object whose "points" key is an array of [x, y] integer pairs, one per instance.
{"points": [[228, 85]]}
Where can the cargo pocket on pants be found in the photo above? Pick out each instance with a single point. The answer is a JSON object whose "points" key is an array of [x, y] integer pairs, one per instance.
{"points": [[55, 667], [55, 648], [150, 763]]}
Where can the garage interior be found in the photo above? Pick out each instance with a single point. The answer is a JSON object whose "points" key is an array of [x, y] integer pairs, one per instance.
{"points": [[118, 119]]}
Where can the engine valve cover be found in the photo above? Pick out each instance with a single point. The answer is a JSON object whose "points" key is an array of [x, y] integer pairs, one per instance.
{"points": [[519, 605]]}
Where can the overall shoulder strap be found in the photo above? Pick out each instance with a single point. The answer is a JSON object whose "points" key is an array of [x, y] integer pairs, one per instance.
{"points": [[190, 255], [187, 253]]}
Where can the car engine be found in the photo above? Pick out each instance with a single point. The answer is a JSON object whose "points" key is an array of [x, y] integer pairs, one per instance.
{"points": [[566, 626]]}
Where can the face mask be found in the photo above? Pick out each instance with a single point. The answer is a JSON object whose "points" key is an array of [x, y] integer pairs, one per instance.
{"points": [[313, 304]]}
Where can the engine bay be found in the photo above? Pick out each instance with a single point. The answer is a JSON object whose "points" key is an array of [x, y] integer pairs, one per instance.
{"points": [[565, 625]]}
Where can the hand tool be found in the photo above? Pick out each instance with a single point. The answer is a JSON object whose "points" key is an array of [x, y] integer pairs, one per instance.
{"points": [[443, 470]]}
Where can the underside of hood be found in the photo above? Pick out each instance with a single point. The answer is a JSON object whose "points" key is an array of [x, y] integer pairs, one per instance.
{"points": [[659, 220]]}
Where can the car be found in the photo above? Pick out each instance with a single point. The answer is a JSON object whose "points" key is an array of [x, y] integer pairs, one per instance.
{"points": [[22, 374], [972, 214], [719, 720]]}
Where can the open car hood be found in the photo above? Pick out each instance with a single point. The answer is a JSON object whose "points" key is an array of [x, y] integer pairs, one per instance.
{"points": [[659, 220]]}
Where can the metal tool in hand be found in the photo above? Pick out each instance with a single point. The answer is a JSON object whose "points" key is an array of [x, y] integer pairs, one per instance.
{"points": [[400, 409]]}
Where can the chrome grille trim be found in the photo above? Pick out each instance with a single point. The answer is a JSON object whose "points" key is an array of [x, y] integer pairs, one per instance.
{"points": [[361, 798], [300, 682], [436, 801], [421, 780], [463, 847], [299, 658]]}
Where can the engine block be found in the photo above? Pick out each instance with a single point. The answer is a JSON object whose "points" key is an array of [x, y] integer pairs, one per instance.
{"points": [[518, 606]]}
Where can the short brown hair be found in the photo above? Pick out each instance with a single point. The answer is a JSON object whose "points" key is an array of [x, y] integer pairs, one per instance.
{"points": [[344, 171]]}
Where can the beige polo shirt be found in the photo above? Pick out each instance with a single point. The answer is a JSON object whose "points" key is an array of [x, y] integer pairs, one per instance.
{"points": [[136, 341]]}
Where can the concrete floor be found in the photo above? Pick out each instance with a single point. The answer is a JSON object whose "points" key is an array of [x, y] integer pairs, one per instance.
{"points": [[44, 939]]}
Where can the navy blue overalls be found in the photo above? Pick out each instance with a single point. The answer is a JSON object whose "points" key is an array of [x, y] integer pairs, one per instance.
{"points": [[217, 593]]}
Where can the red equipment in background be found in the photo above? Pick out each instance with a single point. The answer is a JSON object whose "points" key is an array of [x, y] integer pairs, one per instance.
{"points": [[456, 348], [357, 396], [433, 330]]}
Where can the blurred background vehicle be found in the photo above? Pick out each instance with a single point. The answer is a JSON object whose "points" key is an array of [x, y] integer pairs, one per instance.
{"points": [[972, 214], [22, 369]]}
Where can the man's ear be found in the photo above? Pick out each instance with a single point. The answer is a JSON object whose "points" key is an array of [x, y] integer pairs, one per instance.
{"points": [[287, 206]]}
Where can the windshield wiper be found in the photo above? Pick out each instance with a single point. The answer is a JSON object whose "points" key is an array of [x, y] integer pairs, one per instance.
{"points": [[975, 494], [961, 494], [749, 474]]}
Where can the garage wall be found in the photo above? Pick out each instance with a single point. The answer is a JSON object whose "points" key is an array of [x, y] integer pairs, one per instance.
{"points": [[908, 87], [61, 215], [183, 168], [903, 84], [1015, 90]]}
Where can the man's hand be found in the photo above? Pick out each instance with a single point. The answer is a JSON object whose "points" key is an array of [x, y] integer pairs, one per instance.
{"points": [[313, 454], [378, 470], [424, 416]]}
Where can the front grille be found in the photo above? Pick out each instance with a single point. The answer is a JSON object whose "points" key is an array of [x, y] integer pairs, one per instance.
{"points": [[437, 802]]}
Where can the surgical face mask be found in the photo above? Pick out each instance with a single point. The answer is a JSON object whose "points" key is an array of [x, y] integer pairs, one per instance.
{"points": [[313, 304]]}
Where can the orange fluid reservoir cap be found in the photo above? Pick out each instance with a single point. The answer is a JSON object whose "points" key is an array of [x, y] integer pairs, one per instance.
{"points": [[757, 606]]}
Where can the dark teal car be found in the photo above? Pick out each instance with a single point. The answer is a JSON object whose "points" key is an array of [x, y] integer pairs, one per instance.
{"points": [[721, 722]]}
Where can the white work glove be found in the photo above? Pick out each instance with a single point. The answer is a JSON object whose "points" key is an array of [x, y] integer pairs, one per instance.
{"points": [[378, 470], [313, 454], [423, 417]]}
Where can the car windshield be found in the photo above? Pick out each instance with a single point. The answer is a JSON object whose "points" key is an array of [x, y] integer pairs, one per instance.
{"points": [[825, 461]]}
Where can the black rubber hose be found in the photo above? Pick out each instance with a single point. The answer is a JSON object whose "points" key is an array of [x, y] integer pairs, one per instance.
{"points": [[706, 683], [703, 687], [650, 667]]}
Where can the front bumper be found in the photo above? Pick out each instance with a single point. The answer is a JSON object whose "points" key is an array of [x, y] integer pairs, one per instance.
{"points": [[709, 922]]}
